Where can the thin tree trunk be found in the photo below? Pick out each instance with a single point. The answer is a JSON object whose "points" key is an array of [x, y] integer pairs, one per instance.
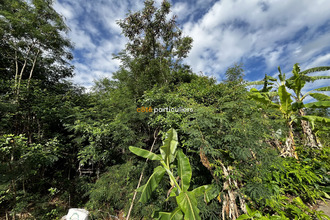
{"points": [[13, 182], [16, 70], [32, 68], [21, 73]]}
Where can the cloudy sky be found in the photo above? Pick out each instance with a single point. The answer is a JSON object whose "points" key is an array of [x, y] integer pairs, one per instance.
{"points": [[262, 34]]}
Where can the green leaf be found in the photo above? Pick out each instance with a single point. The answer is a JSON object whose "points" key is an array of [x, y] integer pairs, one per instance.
{"points": [[326, 189], [254, 83], [184, 170], [152, 183], [296, 69], [244, 216], [281, 76], [209, 192], [188, 204], [276, 217], [313, 78], [320, 96], [285, 100], [249, 211], [200, 190], [326, 88], [297, 105], [312, 119], [144, 153], [261, 97], [320, 104], [316, 118], [176, 214], [170, 144], [297, 81], [271, 78], [315, 69], [299, 202]]}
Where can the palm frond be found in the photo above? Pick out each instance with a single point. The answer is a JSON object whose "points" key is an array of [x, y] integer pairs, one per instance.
{"points": [[254, 83], [316, 69], [324, 89], [319, 77]]}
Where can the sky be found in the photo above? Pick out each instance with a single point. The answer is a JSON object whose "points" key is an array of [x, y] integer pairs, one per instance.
{"points": [[262, 34]]}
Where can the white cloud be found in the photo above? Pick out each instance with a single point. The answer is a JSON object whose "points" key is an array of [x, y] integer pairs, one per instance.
{"points": [[96, 35], [278, 32], [232, 30], [320, 61]]}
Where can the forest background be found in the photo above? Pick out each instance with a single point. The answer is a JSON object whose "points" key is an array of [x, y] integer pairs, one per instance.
{"points": [[242, 153]]}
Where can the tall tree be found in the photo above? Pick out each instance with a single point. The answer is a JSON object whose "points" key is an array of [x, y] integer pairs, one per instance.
{"points": [[235, 73], [32, 43], [155, 49], [34, 53]]}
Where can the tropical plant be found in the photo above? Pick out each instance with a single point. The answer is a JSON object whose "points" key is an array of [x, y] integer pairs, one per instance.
{"points": [[186, 200], [293, 111]]}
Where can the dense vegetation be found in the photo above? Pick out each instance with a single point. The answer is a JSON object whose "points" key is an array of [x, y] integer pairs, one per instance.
{"points": [[232, 153]]}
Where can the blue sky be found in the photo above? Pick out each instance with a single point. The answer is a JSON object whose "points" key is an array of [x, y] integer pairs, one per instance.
{"points": [[263, 34]]}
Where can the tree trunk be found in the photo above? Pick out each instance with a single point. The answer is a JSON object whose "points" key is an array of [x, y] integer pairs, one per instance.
{"points": [[32, 68], [309, 137], [289, 149], [231, 192], [230, 189]]}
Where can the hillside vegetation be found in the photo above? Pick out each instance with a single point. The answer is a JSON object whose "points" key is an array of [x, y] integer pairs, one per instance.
{"points": [[155, 141]]}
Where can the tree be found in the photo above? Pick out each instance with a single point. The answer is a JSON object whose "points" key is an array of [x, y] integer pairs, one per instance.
{"points": [[155, 49], [235, 73], [35, 54], [33, 45]]}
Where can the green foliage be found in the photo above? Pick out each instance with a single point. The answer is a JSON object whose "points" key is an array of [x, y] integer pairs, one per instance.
{"points": [[185, 199], [294, 111], [51, 131], [21, 165], [235, 73], [111, 192], [155, 49], [297, 179], [251, 214], [286, 101], [28, 31]]}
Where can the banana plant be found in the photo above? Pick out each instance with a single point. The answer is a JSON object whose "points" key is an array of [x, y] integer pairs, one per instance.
{"points": [[186, 200], [293, 110]]}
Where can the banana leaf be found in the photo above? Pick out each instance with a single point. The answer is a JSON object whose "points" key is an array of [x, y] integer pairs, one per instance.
{"points": [[320, 96], [188, 204], [151, 184], [169, 147], [184, 170], [174, 215], [320, 104], [144, 153]]}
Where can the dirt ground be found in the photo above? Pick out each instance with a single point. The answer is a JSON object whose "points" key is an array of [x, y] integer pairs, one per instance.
{"points": [[325, 207]]}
